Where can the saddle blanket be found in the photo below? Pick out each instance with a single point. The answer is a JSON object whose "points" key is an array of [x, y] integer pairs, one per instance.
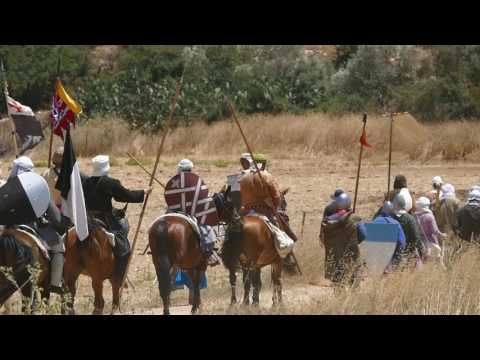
{"points": [[182, 279], [205, 232], [283, 243]]}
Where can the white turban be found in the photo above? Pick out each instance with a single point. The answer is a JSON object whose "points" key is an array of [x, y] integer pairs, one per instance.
{"points": [[185, 165], [101, 165], [423, 203], [448, 191], [21, 165], [437, 180]]}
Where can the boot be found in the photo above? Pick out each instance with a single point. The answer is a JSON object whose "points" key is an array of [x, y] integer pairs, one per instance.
{"points": [[289, 265], [56, 272], [212, 258]]}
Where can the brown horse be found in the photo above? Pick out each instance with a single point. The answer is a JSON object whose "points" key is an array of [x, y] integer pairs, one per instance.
{"points": [[174, 245], [20, 248], [92, 257], [252, 245]]}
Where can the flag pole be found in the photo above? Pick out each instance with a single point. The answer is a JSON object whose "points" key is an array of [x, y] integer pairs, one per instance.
{"points": [[152, 177], [51, 122], [143, 168], [249, 149], [359, 163], [390, 154], [5, 93]]}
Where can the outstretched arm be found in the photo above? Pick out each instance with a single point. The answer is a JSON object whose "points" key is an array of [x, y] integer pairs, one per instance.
{"points": [[122, 194]]}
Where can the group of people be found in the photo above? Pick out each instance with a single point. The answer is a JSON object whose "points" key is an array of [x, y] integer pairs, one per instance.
{"points": [[424, 223]]}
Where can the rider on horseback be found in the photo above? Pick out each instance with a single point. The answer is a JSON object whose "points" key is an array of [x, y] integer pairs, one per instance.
{"points": [[233, 181], [264, 197], [99, 191], [207, 235], [49, 228]]}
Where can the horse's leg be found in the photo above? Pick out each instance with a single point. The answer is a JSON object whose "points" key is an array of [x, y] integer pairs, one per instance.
{"points": [[233, 285], [115, 295], [99, 302], [247, 281], [196, 275], [277, 282], [162, 269], [257, 285], [69, 300]]}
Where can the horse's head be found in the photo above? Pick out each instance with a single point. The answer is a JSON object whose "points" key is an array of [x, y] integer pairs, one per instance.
{"points": [[224, 205]]}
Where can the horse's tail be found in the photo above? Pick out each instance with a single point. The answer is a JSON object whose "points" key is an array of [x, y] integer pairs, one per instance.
{"points": [[161, 237], [232, 247]]}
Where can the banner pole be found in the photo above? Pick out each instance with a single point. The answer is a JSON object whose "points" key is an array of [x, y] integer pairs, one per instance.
{"points": [[12, 123], [359, 163]]}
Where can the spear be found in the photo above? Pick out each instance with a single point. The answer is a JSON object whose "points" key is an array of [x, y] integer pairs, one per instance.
{"points": [[5, 93], [143, 168], [390, 153], [360, 161], [152, 177], [249, 149]]}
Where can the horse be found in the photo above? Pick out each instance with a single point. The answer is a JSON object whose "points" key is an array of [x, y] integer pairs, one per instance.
{"points": [[174, 245], [92, 257], [22, 249], [253, 248]]}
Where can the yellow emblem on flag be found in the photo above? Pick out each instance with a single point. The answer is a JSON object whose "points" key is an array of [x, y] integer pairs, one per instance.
{"points": [[72, 105]]}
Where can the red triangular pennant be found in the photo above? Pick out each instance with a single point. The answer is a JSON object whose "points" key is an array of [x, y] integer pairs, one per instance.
{"points": [[363, 139]]}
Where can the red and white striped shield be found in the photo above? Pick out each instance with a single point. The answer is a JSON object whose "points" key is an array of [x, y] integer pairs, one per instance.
{"points": [[187, 193]]}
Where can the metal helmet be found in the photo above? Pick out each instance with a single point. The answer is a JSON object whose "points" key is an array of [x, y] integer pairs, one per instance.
{"points": [[399, 201], [388, 208], [343, 201]]}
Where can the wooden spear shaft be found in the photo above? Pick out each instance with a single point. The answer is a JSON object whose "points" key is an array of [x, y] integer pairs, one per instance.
{"points": [[152, 177], [359, 163], [143, 168], [232, 110], [390, 154], [51, 122]]}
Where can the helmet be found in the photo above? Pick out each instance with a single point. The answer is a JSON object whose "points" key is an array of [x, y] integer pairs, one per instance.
{"points": [[343, 201], [337, 193], [437, 180], [388, 207], [259, 158], [423, 202], [399, 201]]}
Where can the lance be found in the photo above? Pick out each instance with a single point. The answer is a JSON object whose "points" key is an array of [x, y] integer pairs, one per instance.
{"points": [[143, 168], [51, 122], [5, 93], [152, 177], [249, 149], [359, 163]]}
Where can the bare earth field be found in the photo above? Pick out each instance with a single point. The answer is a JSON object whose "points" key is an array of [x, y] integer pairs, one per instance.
{"points": [[311, 181]]}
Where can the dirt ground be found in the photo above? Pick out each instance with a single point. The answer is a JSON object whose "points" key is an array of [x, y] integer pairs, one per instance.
{"points": [[311, 182]]}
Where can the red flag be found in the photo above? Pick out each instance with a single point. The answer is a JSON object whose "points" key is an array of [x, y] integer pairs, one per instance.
{"points": [[363, 139], [63, 110]]}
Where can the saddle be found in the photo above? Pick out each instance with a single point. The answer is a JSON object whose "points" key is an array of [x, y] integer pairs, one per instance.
{"points": [[29, 237], [189, 219]]}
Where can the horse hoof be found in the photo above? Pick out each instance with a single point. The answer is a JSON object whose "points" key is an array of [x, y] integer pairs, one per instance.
{"points": [[233, 302], [166, 312], [97, 312]]}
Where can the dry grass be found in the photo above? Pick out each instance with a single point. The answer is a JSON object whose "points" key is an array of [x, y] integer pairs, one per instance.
{"points": [[281, 136]]}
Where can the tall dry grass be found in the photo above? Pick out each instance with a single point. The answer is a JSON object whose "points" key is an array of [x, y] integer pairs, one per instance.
{"points": [[285, 136]]}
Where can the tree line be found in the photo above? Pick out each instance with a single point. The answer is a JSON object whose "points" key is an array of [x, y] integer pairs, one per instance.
{"points": [[433, 82]]}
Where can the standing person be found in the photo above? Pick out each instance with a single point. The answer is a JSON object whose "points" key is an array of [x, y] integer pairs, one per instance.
{"points": [[399, 187], [413, 251], [437, 184], [429, 232], [446, 214], [387, 216], [99, 191], [331, 208], [341, 233], [469, 218]]}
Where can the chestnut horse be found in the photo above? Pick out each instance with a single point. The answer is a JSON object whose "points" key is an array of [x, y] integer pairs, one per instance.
{"points": [[250, 243], [18, 247], [92, 257], [174, 245]]}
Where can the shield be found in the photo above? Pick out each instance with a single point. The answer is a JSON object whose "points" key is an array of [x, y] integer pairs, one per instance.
{"points": [[23, 199], [379, 246], [187, 193], [234, 182]]}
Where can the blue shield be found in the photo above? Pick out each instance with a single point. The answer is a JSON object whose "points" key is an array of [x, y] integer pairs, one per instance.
{"points": [[379, 246]]}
